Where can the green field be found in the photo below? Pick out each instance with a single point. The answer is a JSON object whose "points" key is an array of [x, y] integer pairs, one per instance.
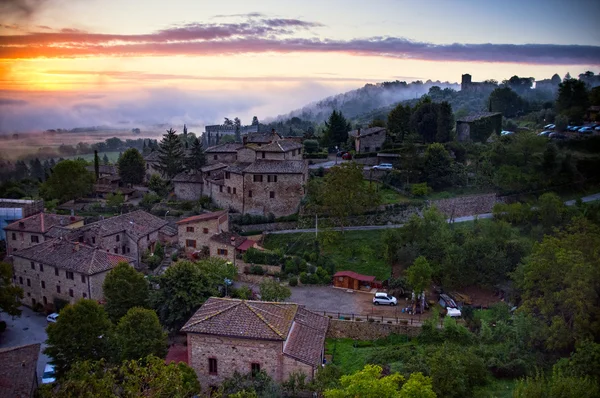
{"points": [[358, 251], [388, 195], [112, 157]]}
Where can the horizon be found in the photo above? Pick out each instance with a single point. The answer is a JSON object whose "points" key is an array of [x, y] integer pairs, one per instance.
{"points": [[198, 63]]}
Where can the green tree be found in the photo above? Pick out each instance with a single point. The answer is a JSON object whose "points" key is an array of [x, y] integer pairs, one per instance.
{"points": [[505, 100], [82, 332], [196, 158], [10, 295], [115, 200], [438, 166], [105, 160], [238, 126], [139, 334], [336, 129], [132, 167], [311, 146], [96, 164], [557, 385], [124, 288], [572, 99], [170, 155], [445, 122], [150, 377], [399, 121], [419, 275], [69, 180], [158, 185], [552, 211], [271, 290], [423, 120]]}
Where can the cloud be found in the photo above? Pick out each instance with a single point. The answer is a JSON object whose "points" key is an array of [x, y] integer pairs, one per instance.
{"points": [[278, 35], [10, 101], [249, 15], [19, 9]]}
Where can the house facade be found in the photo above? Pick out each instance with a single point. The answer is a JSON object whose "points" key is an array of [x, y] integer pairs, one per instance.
{"points": [[224, 153], [229, 335], [478, 126], [368, 140], [195, 232], [62, 269], [188, 186], [34, 229]]}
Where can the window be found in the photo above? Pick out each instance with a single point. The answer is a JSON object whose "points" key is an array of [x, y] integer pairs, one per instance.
{"points": [[69, 275], [220, 188], [205, 230], [43, 285], [123, 248], [190, 243], [228, 189], [57, 288], [227, 175], [83, 278], [81, 239], [212, 366], [32, 265], [84, 295], [222, 252], [14, 236], [263, 155], [35, 239], [21, 280], [28, 282], [257, 178], [41, 267], [234, 190], [148, 237], [215, 157], [128, 250], [189, 229], [367, 149], [93, 240], [56, 271], [71, 292], [272, 194], [118, 238], [116, 250], [45, 300], [255, 368], [249, 194], [271, 178]]}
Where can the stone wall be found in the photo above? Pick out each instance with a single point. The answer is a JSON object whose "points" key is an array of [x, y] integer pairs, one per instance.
{"points": [[214, 226], [290, 365], [288, 191], [213, 158], [274, 226], [269, 269], [188, 190], [390, 215], [466, 205], [16, 241], [255, 279], [368, 330]]}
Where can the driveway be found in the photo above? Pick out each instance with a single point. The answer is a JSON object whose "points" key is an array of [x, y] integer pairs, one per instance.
{"points": [[30, 328]]}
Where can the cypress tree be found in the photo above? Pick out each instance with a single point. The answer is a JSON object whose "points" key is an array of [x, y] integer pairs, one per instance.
{"points": [[170, 155], [96, 164], [196, 159]]}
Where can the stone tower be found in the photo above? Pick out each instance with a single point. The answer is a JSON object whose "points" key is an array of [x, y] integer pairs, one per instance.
{"points": [[465, 82]]}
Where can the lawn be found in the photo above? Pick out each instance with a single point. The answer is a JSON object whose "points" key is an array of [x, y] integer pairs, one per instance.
{"points": [[112, 157], [388, 195], [358, 251]]}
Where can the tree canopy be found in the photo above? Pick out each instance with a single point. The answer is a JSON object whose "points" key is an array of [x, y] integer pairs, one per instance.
{"points": [[170, 155], [271, 290], [572, 99], [10, 294], [69, 180], [140, 334], [196, 158], [124, 288], [336, 129], [132, 167]]}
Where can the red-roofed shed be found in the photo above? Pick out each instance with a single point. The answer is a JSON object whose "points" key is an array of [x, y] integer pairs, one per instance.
{"points": [[353, 280]]}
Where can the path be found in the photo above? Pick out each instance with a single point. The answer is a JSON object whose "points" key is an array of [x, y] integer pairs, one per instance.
{"points": [[585, 199]]}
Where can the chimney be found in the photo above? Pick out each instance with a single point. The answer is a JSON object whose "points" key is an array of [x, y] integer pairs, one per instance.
{"points": [[76, 248], [233, 241], [42, 216]]}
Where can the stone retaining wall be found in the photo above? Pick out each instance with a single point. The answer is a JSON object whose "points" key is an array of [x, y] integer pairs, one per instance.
{"points": [[274, 226], [256, 279], [368, 330], [466, 205]]}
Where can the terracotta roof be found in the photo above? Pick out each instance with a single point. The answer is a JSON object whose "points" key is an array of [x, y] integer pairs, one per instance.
{"points": [[57, 232], [225, 238], [189, 178], [243, 318], [72, 256], [262, 138], [34, 223], [136, 224], [307, 337], [212, 167], [247, 244], [281, 146], [202, 217], [263, 166], [476, 116], [18, 375], [230, 147], [364, 132], [237, 168], [354, 275]]}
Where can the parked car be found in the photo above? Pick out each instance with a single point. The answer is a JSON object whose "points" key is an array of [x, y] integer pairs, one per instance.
{"points": [[453, 312], [347, 156], [573, 128], [549, 127], [383, 166], [49, 375], [597, 128], [341, 153], [545, 133], [586, 130], [52, 317], [558, 136], [384, 299], [506, 132]]}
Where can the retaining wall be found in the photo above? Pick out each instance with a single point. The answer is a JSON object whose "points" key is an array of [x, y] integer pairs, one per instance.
{"points": [[368, 330], [466, 205]]}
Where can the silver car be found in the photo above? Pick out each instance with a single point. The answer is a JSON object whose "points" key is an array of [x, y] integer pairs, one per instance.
{"points": [[383, 166], [384, 299]]}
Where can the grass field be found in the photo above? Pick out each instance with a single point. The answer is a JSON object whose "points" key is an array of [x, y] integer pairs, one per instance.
{"points": [[112, 157], [358, 251], [388, 196]]}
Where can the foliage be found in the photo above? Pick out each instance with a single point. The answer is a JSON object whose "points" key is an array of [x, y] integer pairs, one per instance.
{"points": [[132, 167], [399, 121], [420, 189], [115, 200], [255, 256], [139, 334], [556, 386], [196, 158], [561, 123], [243, 293], [170, 155], [271, 290], [419, 275], [311, 146], [82, 332], [157, 185], [572, 99], [248, 385], [10, 295], [124, 288], [336, 130], [149, 377], [505, 100], [438, 166], [185, 286], [69, 180], [149, 200]]}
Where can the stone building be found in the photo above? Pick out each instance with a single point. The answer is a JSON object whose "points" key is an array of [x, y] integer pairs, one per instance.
{"points": [[194, 232], [224, 153], [215, 133], [478, 126], [467, 85], [12, 210], [261, 139], [18, 371], [228, 335], [188, 186], [34, 229], [152, 161], [62, 269], [368, 140]]}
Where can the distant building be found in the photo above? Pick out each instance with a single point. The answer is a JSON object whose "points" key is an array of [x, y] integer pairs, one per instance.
{"points": [[188, 186], [478, 126], [15, 209], [215, 133], [195, 232], [549, 84], [368, 140], [152, 161], [18, 371], [467, 84]]}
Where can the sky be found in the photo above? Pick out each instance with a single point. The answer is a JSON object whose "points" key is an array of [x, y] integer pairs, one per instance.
{"points": [[73, 63]]}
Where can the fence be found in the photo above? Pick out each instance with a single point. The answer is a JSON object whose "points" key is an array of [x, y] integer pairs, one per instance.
{"points": [[407, 320]]}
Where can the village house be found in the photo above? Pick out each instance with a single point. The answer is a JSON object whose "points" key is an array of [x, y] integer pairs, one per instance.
{"points": [[260, 139], [62, 269], [224, 153], [229, 335], [478, 126], [152, 161], [215, 133], [36, 229], [228, 246], [188, 186], [18, 371], [12, 210], [368, 140], [195, 232]]}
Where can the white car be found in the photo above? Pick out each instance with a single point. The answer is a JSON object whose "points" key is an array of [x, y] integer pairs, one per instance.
{"points": [[52, 317], [383, 166], [544, 133], [549, 127], [384, 299], [49, 375], [453, 312], [506, 132]]}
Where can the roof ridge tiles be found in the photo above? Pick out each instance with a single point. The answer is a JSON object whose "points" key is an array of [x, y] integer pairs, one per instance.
{"points": [[212, 315], [262, 318]]}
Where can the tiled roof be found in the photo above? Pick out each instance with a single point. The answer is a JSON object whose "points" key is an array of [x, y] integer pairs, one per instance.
{"points": [[72, 256], [189, 178], [103, 169], [363, 132], [225, 238], [477, 116], [263, 166], [212, 167], [281, 146], [237, 168], [307, 337], [243, 318], [247, 244], [354, 275], [99, 188], [262, 138], [34, 223], [57, 232], [168, 230], [230, 147], [136, 224], [152, 157], [203, 217], [18, 375]]}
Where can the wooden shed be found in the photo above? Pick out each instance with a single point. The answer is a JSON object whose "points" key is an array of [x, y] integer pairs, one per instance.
{"points": [[352, 280]]}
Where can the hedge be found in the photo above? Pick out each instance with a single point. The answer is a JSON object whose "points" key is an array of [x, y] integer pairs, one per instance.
{"points": [[318, 155], [254, 256]]}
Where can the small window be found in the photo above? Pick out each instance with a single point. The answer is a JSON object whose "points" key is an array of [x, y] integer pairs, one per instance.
{"points": [[220, 188], [148, 237], [227, 175], [84, 295], [367, 149], [57, 288], [93, 240], [212, 366], [45, 300], [71, 292], [21, 280], [56, 271], [255, 368], [14, 236], [222, 252], [189, 229], [35, 239], [116, 250], [32, 265], [249, 194], [205, 230], [28, 282], [228, 189], [341, 279], [263, 155], [69, 275], [215, 157], [118, 238], [190, 243], [41, 267], [81, 239], [234, 191], [258, 178], [271, 178], [272, 194], [43, 285], [83, 278]]}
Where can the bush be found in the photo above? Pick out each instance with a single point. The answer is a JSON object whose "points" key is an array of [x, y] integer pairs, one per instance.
{"points": [[420, 189], [149, 200], [257, 270], [254, 256], [293, 282], [2, 326], [311, 146], [318, 155]]}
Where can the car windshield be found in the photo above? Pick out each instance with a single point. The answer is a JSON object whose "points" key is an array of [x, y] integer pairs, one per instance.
{"points": [[48, 375]]}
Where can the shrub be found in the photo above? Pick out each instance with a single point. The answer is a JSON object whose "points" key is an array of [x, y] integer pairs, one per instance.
{"points": [[255, 256], [2, 326], [293, 282], [420, 189], [257, 270]]}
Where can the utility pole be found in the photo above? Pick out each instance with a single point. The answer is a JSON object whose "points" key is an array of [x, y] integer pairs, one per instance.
{"points": [[316, 226]]}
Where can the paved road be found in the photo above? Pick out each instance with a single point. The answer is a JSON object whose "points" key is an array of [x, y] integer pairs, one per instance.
{"points": [[328, 164], [585, 199], [30, 328]]}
